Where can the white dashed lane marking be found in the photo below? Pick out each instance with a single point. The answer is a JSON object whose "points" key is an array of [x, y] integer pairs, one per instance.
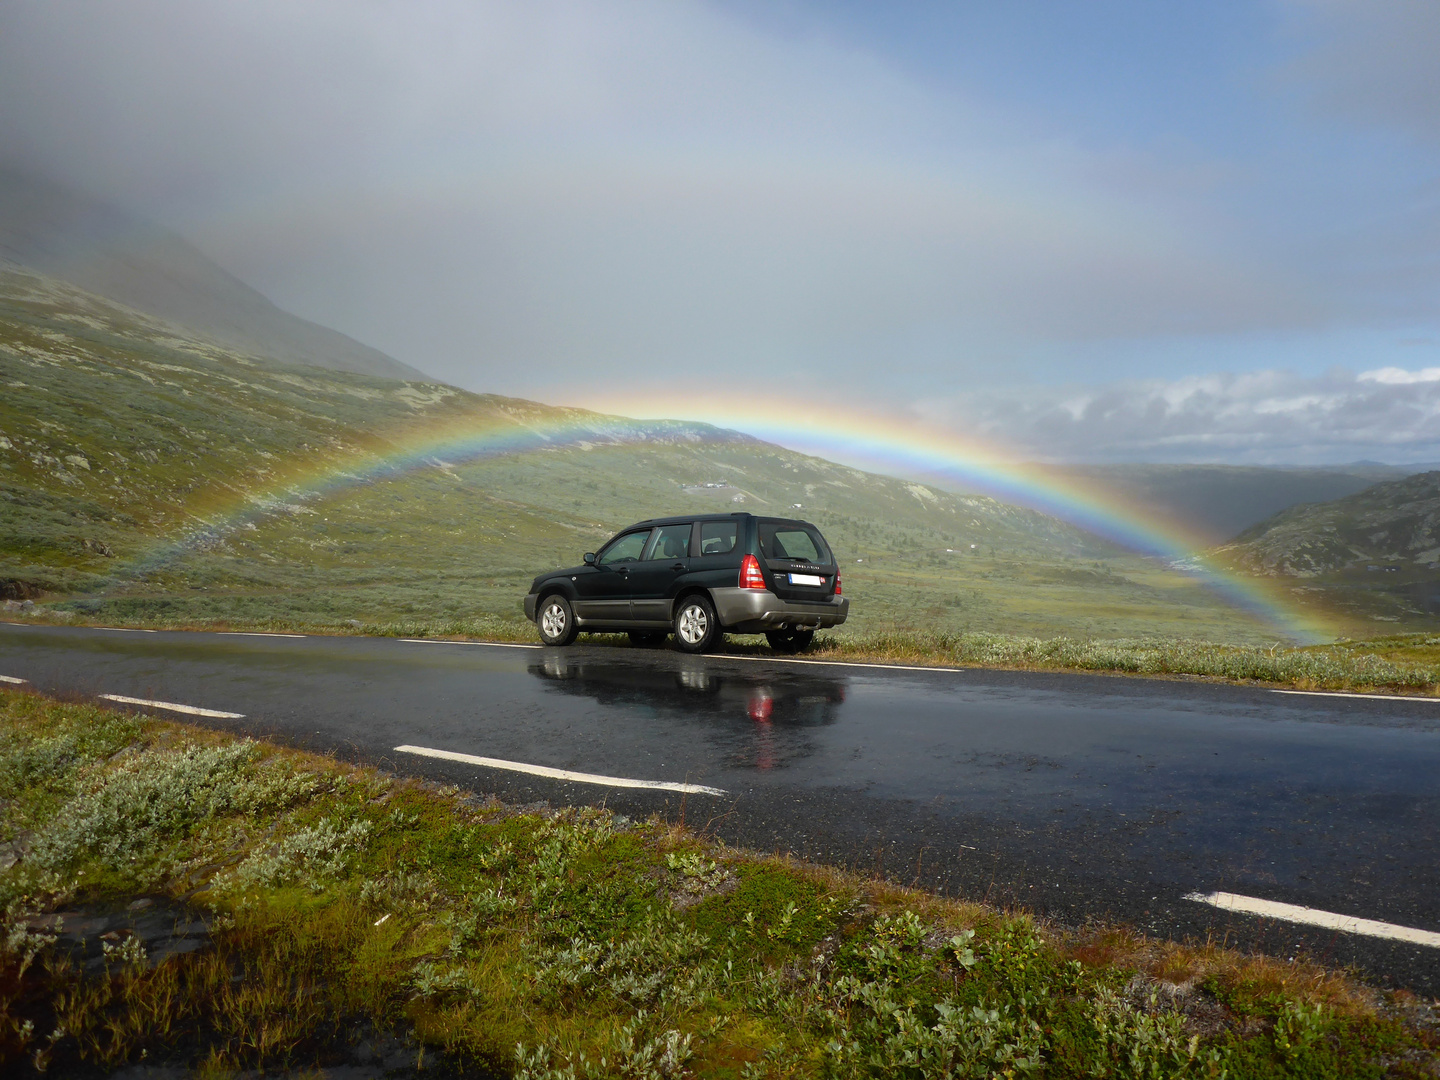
{"points": [[1329, 920], [255, 633], [191, 710], [124, 629], [11, 679], [560, 774], [487, 644], [1372, 697]]}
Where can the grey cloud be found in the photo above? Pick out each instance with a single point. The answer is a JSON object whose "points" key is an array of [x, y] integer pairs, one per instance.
{"points": [[1373, 60], [525, 197], [1266, 417]]}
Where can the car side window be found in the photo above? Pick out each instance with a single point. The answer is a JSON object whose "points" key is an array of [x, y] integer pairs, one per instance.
{"points": [[718, 537], [624, 549], [671, 542]]}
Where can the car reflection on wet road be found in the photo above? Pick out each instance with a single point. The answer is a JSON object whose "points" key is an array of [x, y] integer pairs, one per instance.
{"points": [[757, 719]]}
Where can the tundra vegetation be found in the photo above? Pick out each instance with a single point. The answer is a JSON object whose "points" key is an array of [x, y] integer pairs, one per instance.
{"points": [[339, 915]]}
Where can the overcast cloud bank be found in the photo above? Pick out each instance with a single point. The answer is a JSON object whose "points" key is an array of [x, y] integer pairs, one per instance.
{"points": [[1258, 418], [554, 198]]}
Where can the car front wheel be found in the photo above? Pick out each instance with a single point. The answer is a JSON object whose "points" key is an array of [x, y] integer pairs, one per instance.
{"points": [[556, 621], [696, 627]]}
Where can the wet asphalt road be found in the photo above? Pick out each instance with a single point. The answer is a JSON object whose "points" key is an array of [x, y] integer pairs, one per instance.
{"points": [[1077, 797]]}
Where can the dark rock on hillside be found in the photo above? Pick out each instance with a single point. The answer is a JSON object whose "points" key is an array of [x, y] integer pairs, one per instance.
{"points": [[1391, 525], [107, 252]]}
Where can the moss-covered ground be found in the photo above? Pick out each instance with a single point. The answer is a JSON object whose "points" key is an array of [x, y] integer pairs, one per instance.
{"points": [[336, 915]]}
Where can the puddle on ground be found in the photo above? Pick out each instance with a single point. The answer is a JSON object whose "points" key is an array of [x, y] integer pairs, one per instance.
{"points": [[162, 927]]}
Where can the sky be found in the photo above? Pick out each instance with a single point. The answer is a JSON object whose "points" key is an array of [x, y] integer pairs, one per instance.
{"points": [[1111, 230]]}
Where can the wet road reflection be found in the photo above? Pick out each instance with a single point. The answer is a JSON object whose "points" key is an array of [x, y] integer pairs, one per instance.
{"points": [[756, 720]]}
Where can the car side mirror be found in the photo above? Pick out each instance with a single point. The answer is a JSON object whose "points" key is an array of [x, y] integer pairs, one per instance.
{"points": [[589, 558]]}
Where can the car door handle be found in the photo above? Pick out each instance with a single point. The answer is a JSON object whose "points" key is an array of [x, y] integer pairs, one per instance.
{"points": [[678, 566]]}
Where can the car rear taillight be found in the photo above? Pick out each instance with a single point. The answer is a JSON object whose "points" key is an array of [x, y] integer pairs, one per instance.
{"points": [[838, 591], [750, 575]]}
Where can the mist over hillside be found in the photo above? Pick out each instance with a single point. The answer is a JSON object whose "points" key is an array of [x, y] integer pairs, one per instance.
{"points": [[112, 254]]}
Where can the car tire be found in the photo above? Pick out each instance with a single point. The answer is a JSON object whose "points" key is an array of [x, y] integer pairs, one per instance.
{"points": [[697, 630], [790, 641], [646, 639], [556, 620]]}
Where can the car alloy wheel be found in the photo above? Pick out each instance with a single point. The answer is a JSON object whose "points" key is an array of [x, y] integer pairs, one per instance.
{"points": [[557, 621], [695, 625]]}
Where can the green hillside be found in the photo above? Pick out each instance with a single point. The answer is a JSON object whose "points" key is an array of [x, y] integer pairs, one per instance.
{"points": [[146, 475], [1375, 554], [1220, 501]]}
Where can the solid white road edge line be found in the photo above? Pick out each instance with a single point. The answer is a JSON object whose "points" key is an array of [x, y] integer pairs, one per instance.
{"points": [[11, 679], [1270, 909], [254, 633], [1341, 693], [190, 709], [560, 774], [490, 644], [833, 663]]}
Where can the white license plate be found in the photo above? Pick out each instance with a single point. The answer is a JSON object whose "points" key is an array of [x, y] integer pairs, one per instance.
{"points": [[806, 579]]}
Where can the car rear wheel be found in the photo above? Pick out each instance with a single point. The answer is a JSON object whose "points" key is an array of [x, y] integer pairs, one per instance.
{"points": [[646, 639], [696, 627], [556, 621], [790, 641]]}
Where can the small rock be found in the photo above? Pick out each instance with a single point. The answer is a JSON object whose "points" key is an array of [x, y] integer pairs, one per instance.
{"points": [[141, 904], [355, 623]]}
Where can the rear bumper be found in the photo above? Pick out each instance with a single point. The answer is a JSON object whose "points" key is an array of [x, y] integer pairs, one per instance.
{"points": [[753, 611]]}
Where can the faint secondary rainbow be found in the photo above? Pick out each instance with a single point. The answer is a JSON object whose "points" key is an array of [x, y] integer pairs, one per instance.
{"points": [[857, 439]]}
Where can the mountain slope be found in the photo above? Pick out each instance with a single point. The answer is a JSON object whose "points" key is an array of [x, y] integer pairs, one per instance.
{"points": [[1393, 523], [1219, 501], [147, 475], [111, 254]]}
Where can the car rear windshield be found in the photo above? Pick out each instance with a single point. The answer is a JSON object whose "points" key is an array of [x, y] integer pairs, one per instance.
{"points": [[788, 540]]}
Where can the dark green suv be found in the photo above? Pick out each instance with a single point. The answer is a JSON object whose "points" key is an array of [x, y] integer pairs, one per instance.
{"points": [[698, 577]]}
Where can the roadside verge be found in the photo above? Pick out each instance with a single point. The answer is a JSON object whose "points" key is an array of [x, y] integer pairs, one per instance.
{"points": [[176, 896]]}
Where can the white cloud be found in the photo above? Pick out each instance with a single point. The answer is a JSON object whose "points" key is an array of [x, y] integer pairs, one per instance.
{"points": [[1394, 376], [1264, 417]]}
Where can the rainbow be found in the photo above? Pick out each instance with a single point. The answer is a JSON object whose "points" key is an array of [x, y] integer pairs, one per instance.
{"points": [[863, 440], [904, 446]]}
